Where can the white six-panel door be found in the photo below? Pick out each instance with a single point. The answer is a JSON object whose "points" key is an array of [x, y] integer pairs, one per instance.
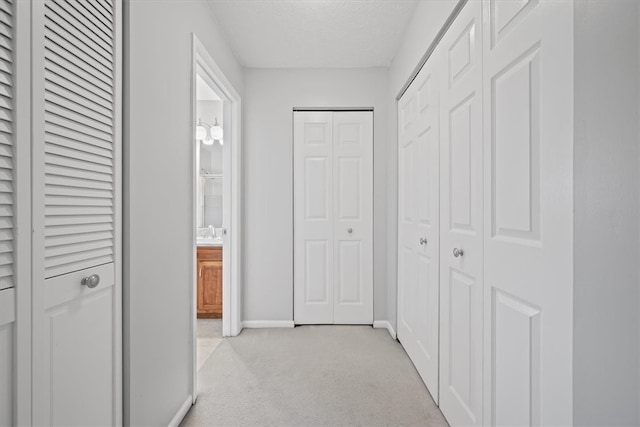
{"points": [[313, 217], [461, 223], [528, 104], [77, 369], [333, 219], [353, 217], [418, 225]]}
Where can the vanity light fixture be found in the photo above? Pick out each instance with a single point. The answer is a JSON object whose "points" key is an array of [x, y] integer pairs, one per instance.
{"points": [[208, 134]]}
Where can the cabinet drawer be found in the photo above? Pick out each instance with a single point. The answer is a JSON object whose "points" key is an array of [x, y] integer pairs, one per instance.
{"points": [[209, 253]]}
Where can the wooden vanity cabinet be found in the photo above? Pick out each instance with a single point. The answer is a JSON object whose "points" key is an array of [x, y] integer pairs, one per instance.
{"points": [[209, 282]]}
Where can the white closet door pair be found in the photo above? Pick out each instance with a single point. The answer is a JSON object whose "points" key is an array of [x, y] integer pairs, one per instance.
{"points": [[505, 287], [333, 217]]}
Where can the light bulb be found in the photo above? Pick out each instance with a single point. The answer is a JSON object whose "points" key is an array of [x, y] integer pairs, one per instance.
{"points": [[201, 132], [216, 131]]}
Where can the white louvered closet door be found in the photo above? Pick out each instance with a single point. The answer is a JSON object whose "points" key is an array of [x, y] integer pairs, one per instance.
{"points": [[76, 212], [7, 167], [8, 333]]}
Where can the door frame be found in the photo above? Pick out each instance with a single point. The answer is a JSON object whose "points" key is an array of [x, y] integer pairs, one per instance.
{"points": [[232, 207]]}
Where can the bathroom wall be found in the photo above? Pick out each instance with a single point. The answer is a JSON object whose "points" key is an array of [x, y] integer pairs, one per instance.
{"points": [[270, 95], [158, 235]]}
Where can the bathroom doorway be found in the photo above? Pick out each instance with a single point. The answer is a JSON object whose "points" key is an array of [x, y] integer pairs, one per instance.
{"points": [[216, 209]]}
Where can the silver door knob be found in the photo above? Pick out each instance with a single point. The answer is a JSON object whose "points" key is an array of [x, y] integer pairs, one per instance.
{"points": [[423, 241], [349, 230], [457, 252], [91, 281]]}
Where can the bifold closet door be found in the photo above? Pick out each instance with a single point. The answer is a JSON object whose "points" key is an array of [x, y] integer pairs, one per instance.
{"points": [[461, 220], [333, 217], [528, 142], [76, 81], [8, 205], [313, 217], [418, 224]]}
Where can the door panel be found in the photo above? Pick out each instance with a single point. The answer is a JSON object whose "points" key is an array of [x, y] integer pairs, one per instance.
{"points": [[75, 349], [349, 268], [528, 208], [76, 169], [353, 217], [82, 321], [418, 233], [313, 218], [461, 220], [317, 265], [7, 358]]}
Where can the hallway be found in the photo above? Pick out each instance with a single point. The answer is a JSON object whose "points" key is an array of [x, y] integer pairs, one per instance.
{"points": [[311, 376]]}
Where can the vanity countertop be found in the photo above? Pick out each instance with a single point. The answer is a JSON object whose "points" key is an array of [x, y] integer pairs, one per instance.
{"points": [[209, 242]]}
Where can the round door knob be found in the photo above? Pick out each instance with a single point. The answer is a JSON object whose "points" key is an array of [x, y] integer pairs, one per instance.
{"points": [[423, 240], [457, 252], [91, 281], [349, 230]]}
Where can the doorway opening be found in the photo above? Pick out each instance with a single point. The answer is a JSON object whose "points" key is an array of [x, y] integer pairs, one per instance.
{"points": [[216, 209]]}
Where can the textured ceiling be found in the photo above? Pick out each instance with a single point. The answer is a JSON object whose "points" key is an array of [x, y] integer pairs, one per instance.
{"points": [[313, 33]]}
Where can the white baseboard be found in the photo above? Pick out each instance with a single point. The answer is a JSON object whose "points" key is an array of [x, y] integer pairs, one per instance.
{"points": [[254, 324], [179, 416], [384, 324]]}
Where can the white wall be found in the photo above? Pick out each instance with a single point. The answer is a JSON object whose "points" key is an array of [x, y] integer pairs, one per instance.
{"points": [[428, 19], [270, 97], [606, 229], [158, 235]]}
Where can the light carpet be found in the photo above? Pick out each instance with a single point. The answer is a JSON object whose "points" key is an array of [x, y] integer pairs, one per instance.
{"points": [[209, 338], [312, 376]]}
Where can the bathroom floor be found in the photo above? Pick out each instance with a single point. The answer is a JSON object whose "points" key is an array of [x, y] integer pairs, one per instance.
{"points": [[209, 337]]}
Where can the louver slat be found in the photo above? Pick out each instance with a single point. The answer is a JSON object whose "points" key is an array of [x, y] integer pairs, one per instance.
{"points": [[7, 222], [79, 136]]}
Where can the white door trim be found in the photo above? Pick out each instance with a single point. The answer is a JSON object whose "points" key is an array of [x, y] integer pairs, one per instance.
{"points": [[231, 292]]}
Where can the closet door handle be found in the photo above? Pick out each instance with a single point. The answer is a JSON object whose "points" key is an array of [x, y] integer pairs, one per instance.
{"points": [[423, 240], [457, 252], [349, 230], [91, 281]]}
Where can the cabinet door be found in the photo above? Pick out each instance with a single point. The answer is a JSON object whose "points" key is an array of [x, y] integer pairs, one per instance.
{"points": [[528, 142], [210, 289], [461, 219]]}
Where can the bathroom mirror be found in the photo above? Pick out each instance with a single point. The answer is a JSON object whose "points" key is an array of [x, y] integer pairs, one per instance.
{"points": [[210, 179]]}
